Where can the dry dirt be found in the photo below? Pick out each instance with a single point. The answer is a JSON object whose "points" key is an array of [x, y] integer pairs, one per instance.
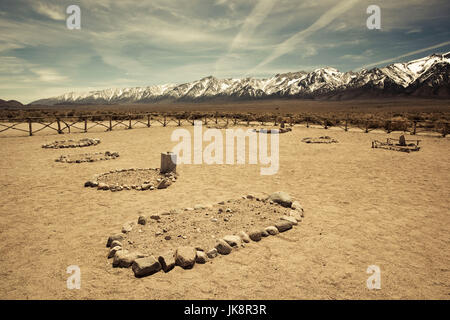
{"points": [[363, 207]]}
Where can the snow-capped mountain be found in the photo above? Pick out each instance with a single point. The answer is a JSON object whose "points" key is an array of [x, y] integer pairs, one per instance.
{"points": [[427, 76]]}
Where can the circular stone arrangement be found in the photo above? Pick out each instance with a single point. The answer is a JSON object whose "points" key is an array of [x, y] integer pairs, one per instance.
{"points": [[323, 139], [132, 179], [85, 142], [88, 157], [190, 236]]}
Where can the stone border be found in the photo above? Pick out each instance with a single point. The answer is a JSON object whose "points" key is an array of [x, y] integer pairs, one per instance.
{"points": [[106, 156], [163, 183], [185, 256], [85, 142], [274, 131], [322, 139]]}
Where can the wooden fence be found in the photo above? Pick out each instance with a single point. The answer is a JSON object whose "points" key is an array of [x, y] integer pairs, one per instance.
{"points": [[110, 122]]}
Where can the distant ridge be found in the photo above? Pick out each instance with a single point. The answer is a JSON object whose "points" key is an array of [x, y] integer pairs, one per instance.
{"points": [[10, 104], [425, 77]]}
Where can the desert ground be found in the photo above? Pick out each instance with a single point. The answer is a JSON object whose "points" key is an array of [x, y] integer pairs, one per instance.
{"points": [[363, 207]]}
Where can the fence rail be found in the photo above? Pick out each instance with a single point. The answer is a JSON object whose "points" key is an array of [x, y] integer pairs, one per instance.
{"points": [[109, 122]]}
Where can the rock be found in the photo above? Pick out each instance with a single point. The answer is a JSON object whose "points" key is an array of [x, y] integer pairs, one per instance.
{"points": [[201, 257], [272, 230], [264, 233], [185, 257], [124, 259], [402, 140], [213, 219], [281, 198], [146, 186], [188, 209], [223, 247], [142, 220], [102, 186], [167, 237], [164, 183], [145, 266], [255, 235], [167, 261], [212, 253], [234, 241], [127, 227], [292, 220], [198, 207], [296, 206], [297, 215], [113, 251], [244, 236], [118, 237], [283, 225], [88, 184], [116, 243], [155, 217]]}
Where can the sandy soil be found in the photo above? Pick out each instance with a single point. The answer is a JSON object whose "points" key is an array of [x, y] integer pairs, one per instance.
{"points": [[363, 207]]}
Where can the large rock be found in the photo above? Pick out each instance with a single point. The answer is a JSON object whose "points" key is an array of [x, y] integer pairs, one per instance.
{"points": [[145, 266], [185, 257], [281, 198], [164, 183], [127, 227], [212, 253], [223, 247], [234, 241], [290, 219], [244, 236], [297, 215], [201, 257], [297, 206], [113, 251], [167, 261], [255, 235], [283, 225], [272, 230], [124, 259], [142, 220], [118, 237]]}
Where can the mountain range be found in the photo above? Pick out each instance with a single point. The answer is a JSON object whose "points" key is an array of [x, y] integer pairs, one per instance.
{"points": [[425, 77]]}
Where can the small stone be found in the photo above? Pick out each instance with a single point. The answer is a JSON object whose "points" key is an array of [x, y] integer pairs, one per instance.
{"points": [[292, 220], [167, 261], [188, 209], [244, 236], [272, 230], [264, 233], [167, 237], [185, 257], [228, 210], [255, 235], [102, 186], [113, 251], [221, 202], [127, 227], [155, 217], [201, 257], [213, 220], [142, 220], [250, 196], [283, 225], [212, 253], [234, 241], [145, 266], [118, 237], [226, 219], [281, 198], [198, 207], [223, 247], [296, 206], [297, 215]]}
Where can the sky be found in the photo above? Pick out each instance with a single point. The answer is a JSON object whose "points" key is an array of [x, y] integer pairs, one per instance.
{"points": [[141, 43]]}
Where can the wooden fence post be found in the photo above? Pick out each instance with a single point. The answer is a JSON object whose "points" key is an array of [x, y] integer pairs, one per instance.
{"points": [[307, 122], [148, 121], [326, 124], [30, 129], [129, 121], [367, 126], [346, 123], [216, 118], [59, 125], [165, 121], [414, 127], [85, 124], [445, 130], [167, 163], [110, 123]]}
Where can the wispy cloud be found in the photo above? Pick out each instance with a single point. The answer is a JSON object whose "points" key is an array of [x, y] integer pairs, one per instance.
{"points": [[294, 41], [385, 61]]}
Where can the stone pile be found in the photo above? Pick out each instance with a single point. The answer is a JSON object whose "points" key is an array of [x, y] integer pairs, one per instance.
{"points": [[85, 142], [88, 157], [163, 181], [187, 256]]}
